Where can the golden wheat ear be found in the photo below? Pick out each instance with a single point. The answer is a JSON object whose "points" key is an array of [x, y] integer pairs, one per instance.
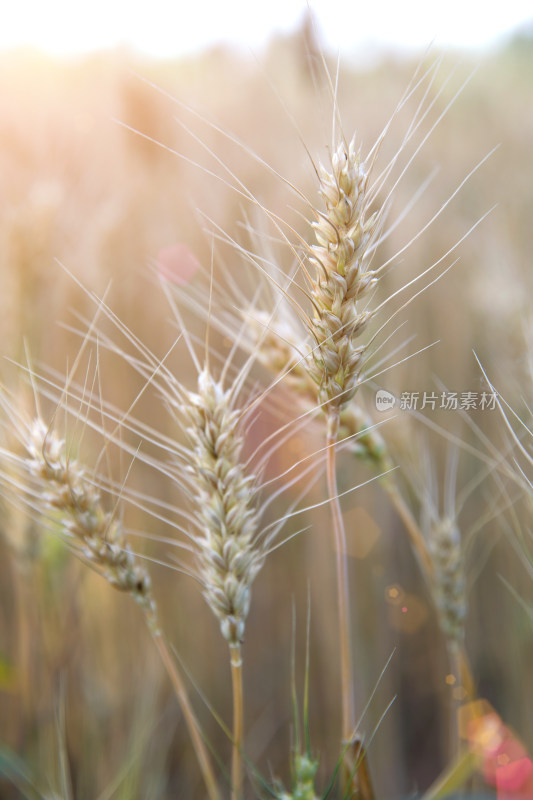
{"points": [[94, 533]]}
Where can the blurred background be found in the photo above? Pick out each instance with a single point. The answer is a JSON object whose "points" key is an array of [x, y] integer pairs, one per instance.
{"points": [[105, 157]]}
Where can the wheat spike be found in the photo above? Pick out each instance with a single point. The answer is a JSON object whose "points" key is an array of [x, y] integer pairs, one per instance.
{"points": [[343, 276], [95, 533], [225, 498], [449, 584]]}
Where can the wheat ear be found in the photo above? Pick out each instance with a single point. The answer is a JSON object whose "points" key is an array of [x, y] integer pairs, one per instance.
{"points": [[344, 233], [95, 533], [449, 585]]}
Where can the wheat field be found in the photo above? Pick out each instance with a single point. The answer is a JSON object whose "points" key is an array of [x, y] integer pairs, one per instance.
{"points": [[160, 316]]}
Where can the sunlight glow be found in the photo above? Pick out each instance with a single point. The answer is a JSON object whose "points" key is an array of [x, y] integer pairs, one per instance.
{"points": [[163, 30]]}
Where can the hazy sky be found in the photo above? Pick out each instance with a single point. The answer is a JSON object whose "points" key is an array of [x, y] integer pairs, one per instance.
{"points": [[164, 28]]}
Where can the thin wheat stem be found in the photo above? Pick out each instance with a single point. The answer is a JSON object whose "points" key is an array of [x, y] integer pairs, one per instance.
{"points": [[413, 529], [190, 717], [238, 721], [343, 598]]}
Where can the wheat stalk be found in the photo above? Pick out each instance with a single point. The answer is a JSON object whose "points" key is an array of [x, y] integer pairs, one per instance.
{"points": [[225, 496]]}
